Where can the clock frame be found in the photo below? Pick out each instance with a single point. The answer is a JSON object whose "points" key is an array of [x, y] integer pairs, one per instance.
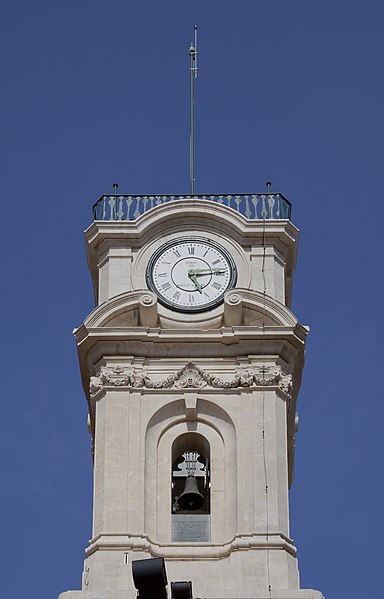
{"points": [[191, 274]]}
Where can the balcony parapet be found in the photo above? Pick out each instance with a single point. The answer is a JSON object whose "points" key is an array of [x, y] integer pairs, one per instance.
{"points": [[254, 206]]}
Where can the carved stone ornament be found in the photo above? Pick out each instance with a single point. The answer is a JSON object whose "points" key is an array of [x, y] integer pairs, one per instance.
{"points": [[192, 377], [117, 377]]}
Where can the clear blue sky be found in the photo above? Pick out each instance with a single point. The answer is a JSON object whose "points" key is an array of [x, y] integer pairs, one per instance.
{"points": [[97, 91]]}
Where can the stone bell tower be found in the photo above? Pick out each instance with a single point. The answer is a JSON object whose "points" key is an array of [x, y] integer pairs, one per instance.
{"points": [[191, 364]]}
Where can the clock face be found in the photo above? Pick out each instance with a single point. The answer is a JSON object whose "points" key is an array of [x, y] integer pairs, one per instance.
{"points": [[191, 274]]}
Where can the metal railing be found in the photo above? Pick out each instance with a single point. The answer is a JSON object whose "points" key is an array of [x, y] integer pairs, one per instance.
{"points": [[117, 207]]}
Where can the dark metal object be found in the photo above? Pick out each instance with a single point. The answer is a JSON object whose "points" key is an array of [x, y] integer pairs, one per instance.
{"points": [[150, 578], [191, 498], [255, 206], [193, 76], [181, 590]]}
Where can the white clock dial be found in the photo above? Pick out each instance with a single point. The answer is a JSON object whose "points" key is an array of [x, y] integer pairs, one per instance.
{"points": [[191, 274]]}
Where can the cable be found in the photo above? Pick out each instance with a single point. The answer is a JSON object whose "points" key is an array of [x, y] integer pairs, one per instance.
{"points": [[263, 410]]}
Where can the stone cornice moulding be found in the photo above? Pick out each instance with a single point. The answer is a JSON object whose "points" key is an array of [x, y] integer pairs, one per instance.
{"points": [[225, 335], [205, 393], [141, 542]]}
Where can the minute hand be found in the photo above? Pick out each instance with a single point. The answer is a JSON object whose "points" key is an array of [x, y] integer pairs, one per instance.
{"points": [[214, 270]]}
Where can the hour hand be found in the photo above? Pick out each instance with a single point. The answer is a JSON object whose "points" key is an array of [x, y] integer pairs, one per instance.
{"points": [[192, 276]]}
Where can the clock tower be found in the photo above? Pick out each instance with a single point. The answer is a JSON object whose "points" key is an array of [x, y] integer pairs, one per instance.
{"points": [[191, 364]]}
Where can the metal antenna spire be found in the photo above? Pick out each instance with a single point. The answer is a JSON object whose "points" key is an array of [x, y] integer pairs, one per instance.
{"points": [[193, 76]]}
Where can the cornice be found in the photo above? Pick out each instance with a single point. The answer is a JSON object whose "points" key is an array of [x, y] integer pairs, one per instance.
{"points": [[224, 335], [203, 551], [212, 215]]}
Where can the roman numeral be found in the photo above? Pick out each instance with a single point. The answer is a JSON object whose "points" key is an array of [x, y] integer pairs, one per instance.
{"points": [[191, 299], [191, 250], [162, 274], [176, 295], [216, 261], [177, 253], [166, 286], [205, 253], [216, 285]]}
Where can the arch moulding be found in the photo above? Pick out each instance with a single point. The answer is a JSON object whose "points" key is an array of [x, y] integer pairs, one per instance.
{"points": [[165, 426]]}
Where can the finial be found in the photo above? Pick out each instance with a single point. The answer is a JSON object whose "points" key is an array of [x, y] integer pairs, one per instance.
{"points": [[268, 184], [115, 188]]}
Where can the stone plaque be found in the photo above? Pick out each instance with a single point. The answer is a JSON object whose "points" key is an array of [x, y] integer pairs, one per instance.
{"points": [[190, 527]]}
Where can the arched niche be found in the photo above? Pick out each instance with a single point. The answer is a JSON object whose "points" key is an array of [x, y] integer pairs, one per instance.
{"points": [[191, 458], [190, 488], [212, 428]]}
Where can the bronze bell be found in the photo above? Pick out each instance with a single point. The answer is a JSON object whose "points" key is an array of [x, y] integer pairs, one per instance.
{"points": [[191, 498]]}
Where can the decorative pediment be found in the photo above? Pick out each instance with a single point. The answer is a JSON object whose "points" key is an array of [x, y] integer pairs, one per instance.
{"points": [[137, 308], [121, 310], [192, 377]]}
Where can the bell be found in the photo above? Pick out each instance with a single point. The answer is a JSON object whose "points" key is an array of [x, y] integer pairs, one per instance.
{"points": [[191, 498]]}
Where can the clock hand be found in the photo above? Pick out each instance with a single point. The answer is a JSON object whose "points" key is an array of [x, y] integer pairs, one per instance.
{"points": [[197, 271], [192, 276]]}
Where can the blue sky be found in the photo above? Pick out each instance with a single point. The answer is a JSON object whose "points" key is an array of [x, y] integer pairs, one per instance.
{"points": [[95, 92]]}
